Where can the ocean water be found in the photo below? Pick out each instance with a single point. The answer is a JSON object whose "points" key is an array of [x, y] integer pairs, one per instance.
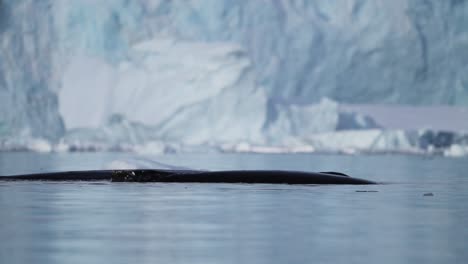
{"points": [[101, 222]]}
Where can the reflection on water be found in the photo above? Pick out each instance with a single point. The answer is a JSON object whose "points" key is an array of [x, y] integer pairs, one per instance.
{"points": [[236, 223]]}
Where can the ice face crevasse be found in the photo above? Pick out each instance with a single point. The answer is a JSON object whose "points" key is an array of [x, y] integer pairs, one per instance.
{"points": [[360, 51], [357, 51], [28, 104]]}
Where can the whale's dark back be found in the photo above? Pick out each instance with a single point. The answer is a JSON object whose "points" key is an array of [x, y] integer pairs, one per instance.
{"points": [[234, 176]]}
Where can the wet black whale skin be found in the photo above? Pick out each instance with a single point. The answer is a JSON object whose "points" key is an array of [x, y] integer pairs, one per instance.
{"points": [[232, 176]]}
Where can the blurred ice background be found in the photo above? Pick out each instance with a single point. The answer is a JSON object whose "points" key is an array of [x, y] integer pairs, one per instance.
{"points": [[163, 76]]}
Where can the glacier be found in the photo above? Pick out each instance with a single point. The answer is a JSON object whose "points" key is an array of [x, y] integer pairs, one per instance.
{"points": [[226, 75]]}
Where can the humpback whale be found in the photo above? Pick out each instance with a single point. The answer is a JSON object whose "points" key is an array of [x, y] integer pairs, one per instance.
{"points": [[194, 176]]}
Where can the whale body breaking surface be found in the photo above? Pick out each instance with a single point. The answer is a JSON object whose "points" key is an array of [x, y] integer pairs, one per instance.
{"points": [[194, 176]]}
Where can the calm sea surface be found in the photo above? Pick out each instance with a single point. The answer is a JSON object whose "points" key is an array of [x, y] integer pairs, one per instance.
{"points": [[100, 222]]}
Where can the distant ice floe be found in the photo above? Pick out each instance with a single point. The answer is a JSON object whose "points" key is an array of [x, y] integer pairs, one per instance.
{"points": [[27, 144], [456, 150], [371, 141], [375, 141]]}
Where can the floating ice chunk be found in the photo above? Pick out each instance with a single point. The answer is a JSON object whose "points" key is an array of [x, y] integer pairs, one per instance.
{"points": [[40, 145], [456, 151]]}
